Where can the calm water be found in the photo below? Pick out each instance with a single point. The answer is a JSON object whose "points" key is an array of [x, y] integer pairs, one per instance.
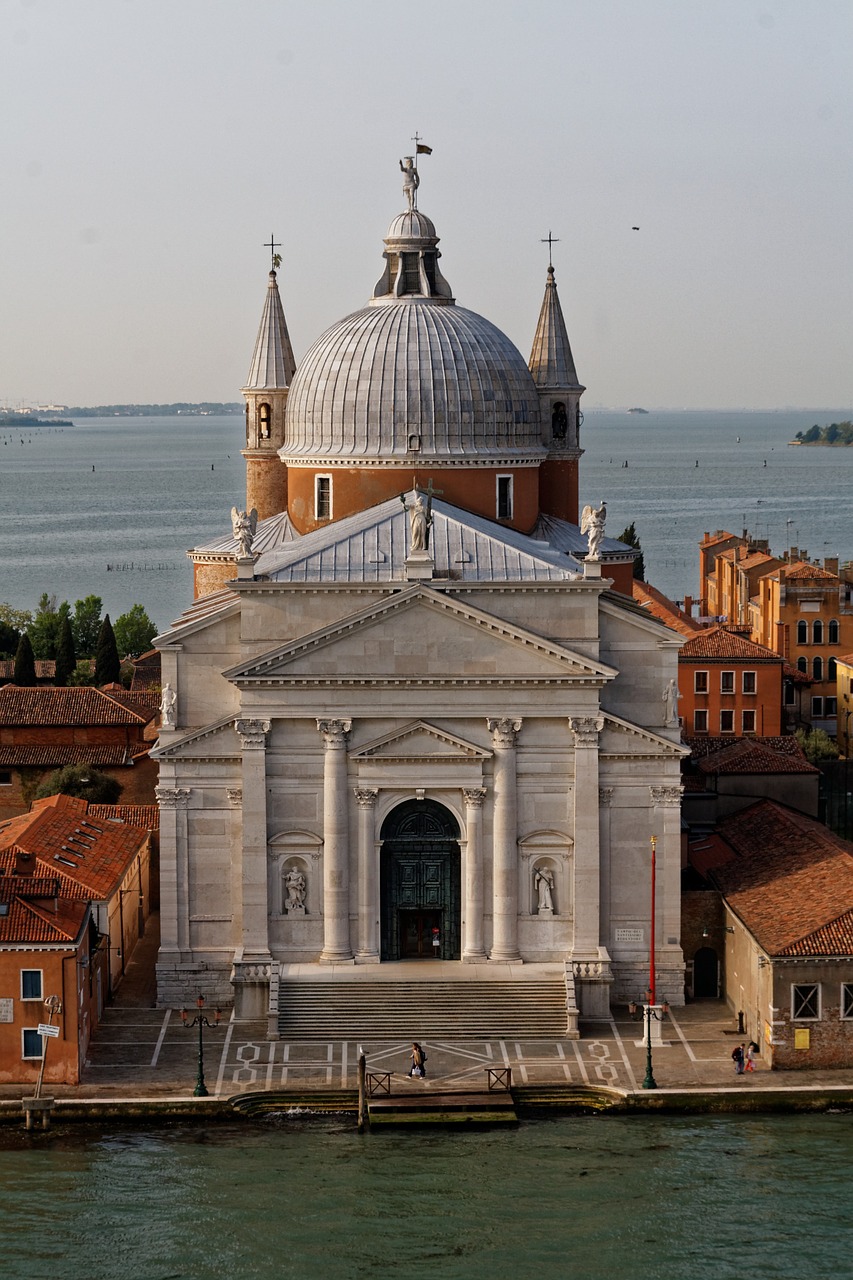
{"points": [[153, 494], [624, 1199]]}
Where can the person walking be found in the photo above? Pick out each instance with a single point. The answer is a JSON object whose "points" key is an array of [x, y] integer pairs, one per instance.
{"points": [[751, 1053], [738, 1058], [418, 1067]]}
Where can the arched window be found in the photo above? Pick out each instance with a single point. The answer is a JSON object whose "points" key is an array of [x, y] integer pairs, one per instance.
{"points": [[831, 670], [802, 632], [833, 631], [817, 668], [817, 631], [264, 419], [802, 665]]}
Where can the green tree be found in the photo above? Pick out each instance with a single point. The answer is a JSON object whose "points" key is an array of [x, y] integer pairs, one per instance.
{"points": [[107, 661], [134, 632], [44, 628], [86, 625], [811, 435], [9, 640], [80, 780], [19, 619], [630, 537], [66, 658], [25, 663], [831, 433], [817, 745], [83, 674]]}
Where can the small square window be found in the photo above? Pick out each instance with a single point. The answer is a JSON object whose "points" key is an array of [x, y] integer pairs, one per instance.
{"points": [[5, 777], [847, 1000], [805, 1002], [727, 682], [700, 721], [700, 682], [33, 1044], [748, 724], [727, 722], [31, 984], [817, 706], [749, 682]]}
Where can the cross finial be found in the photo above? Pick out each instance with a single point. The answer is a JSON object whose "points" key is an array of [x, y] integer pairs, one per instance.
{"points": [[276, 257], [551, 240]]}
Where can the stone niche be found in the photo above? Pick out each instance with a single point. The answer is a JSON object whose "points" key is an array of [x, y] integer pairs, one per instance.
{"points": [[295, 891], [545, 907]]}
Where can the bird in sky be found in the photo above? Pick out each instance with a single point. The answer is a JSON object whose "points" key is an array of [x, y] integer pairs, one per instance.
{"points": [[635, 228]]}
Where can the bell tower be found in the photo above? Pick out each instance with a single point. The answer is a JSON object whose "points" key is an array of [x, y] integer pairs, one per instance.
{"points": [[266, 391], [553, 368]]}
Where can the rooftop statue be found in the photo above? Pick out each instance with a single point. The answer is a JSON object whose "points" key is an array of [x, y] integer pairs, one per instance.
{"points": [[592, 524], [243, 526], [411, 182]]}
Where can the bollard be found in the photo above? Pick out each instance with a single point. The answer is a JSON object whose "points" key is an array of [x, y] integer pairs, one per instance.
{"points": [[362, 1091]]}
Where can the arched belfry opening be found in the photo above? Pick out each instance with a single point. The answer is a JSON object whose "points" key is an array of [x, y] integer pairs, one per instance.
{"points": [[419, 875]]}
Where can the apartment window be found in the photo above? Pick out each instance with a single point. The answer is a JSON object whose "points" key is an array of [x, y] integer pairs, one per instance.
{"points": [[803, 665], [817, 668], [790, 695], [727, 682], [323, 497], [802, 632], [817, 707], [727, 722], [833, 631], [5, 777], [832, 669], [504, 497], [700, 721], [31, 984], [32, 1043], [817, 631], [748, 721], [749, 682], [805, 1002], [847, 999], [700, 682], [830, 706]]}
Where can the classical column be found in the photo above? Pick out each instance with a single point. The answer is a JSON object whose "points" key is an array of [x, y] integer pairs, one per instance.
{"points": [[174, 878], [586, 865], [235, 809], [254, 945], [667, 821], [605, 800], [505, 841], [472, 947], [336, 940], [368, 888]]}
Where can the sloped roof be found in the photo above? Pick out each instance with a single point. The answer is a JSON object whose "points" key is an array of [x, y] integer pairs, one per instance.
{"points": [[562, 536], [67, 707], [54, 755], [272, 364], [276, 531], [720, 642], [45, 668], [144, 816], [36, 924], [784, 744], [551, 361], [748, 755], [146, 671], [790, 881], [664, 609], [712, 539], [802, 570]]}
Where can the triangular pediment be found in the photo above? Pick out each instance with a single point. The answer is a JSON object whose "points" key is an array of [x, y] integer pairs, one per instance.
{"points": [[623, 738], [420, 741], [421, 636], [218, 741]]}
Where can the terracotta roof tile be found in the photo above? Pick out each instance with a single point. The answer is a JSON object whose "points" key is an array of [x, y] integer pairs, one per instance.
{"points": [[720, 642], [719, 536], [785, 744], [45, 668], [833, 939], [74, 706], [30, 924], [802, 570], [664, 609], [747, 755], [146, 816], [49, 755]]}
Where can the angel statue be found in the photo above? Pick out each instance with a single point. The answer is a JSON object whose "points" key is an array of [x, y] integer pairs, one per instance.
{"points": [[592, 524], [243, 526]]}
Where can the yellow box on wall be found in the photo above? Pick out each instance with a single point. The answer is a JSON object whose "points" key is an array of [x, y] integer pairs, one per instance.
{"points": [[802, 1037]]}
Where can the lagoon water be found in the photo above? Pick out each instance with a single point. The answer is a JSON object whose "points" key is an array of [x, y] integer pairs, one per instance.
{"points": [[162, 485], [587, 1199]]}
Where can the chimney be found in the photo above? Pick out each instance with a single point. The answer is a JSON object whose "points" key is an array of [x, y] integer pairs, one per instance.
{"points": [[830, 563], [688, 606], [25, 863]]}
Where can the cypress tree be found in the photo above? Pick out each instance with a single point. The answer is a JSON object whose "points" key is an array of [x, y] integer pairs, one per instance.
{"points": [[66, 658], [25, 663], [630, 537], [107, 661]]}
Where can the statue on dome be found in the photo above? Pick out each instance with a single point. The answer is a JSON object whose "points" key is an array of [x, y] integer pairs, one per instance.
{"points": [[411, 181], [592, 524], [243, 526]]}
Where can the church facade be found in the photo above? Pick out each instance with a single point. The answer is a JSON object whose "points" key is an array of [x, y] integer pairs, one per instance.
{"points": [[414, 712]]}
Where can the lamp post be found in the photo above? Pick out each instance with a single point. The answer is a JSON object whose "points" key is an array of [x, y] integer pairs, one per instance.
{"points": [[200, 1021], [650, 1010], [653, 841]]}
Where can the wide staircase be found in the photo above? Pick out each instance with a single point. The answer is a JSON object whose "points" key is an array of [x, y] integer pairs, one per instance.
{"points": [[467, 1010]]}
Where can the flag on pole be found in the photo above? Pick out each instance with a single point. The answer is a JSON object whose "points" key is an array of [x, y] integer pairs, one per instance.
{"points": [[424, 150]]}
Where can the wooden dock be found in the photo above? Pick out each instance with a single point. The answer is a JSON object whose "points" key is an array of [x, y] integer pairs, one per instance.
{"points": [[416, 1107]]}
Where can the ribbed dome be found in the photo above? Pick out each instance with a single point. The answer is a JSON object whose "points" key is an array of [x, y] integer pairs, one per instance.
{"points": [[416, 367], [413, 225]]}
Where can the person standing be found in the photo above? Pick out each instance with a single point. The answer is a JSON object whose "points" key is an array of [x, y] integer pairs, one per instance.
{"points": [[738, 1058], [418, 1067], [751, 1052]]}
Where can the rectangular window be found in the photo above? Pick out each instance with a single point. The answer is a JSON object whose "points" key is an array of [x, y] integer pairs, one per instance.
{"points": [[748, 718], [5, 777], [847, 999], [805, 1002], [504, 497], [33, 1044], [700, 682], [817, 706], [700, 721], [830, 706], [749, 682], [727, 682], [31, 985], [323, 497], [790, 694], [727, 722]]}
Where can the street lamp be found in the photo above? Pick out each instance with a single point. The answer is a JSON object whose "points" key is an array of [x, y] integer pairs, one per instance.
{"points": [[200, 1021], [650, 1010]]}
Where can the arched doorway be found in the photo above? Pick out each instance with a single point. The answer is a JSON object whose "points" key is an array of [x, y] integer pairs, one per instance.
{"points": [[706, 973], [419, 879]]}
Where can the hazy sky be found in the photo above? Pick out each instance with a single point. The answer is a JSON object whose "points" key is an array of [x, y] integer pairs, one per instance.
{"points": [[150, 147]]}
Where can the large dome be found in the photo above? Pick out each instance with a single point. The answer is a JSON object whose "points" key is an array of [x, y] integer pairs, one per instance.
{"points": [[416, 375]]}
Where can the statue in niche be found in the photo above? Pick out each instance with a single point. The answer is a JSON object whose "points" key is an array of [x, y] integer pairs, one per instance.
{"points": [[543, 883], [411, 181], [592, 524], [168, 707], [295, 890], [559, 421], [670, 698], [243, 526]]}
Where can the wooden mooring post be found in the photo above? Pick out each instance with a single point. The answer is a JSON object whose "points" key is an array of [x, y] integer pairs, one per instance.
{"points": [[362, 1091]]}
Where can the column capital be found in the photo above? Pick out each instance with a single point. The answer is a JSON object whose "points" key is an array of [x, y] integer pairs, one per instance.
{"points": [[474, 797], [335, 733], [365, 796], [605, 796], [172, 797], [586, 729], [252, 733], [504, 731], [235, 797], [666, 797]]}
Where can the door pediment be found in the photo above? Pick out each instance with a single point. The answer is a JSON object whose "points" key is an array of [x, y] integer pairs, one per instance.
{"points": [[422, 743]]}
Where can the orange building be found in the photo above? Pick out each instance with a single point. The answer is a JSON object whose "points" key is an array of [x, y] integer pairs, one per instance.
{"points": [[729, 685]]}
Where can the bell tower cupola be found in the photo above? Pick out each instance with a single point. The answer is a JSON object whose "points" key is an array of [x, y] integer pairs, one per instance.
{"points": [[553, 368], [266, 392]]}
